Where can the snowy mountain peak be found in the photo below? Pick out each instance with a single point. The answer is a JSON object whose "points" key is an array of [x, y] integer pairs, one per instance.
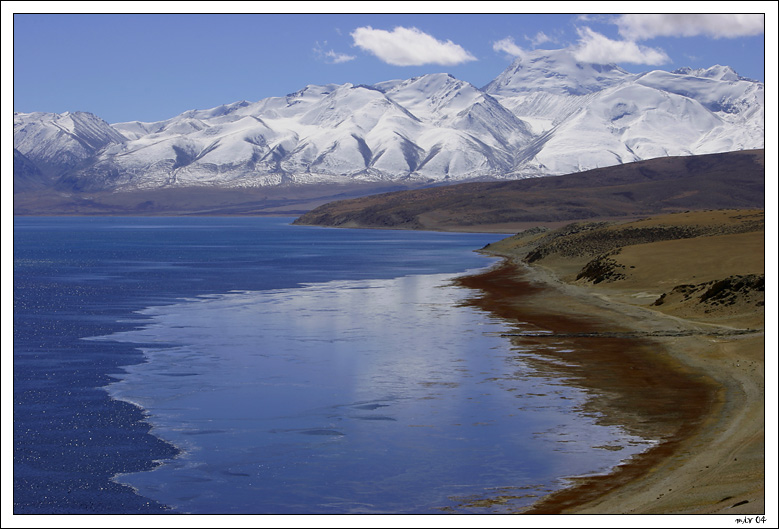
{"points": [[63, 140], [315, 92], [546, 114], [717, 72], [434, 96], [554, 71], [221, 110], [83, 128]]}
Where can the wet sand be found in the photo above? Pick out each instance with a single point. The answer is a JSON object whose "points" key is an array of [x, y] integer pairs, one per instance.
{"points": [[699, 393]]}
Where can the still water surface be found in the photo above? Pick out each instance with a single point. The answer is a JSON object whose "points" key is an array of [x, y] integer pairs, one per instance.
{"points": [[309, 370]]}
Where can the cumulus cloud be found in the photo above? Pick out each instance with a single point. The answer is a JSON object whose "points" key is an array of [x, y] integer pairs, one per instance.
{"points": [[540, 38], [596, 48], [647, 26], [507, 45], [409, 47], [331, 56]]}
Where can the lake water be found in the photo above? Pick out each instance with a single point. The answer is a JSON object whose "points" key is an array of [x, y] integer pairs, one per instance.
{"points": [[270, 368]]}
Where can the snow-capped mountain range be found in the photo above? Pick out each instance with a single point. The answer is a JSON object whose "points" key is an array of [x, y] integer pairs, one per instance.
{"points": [[545, 114]]}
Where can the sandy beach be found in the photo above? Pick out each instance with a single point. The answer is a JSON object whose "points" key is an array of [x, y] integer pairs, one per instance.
{"points": [[668, 347]]}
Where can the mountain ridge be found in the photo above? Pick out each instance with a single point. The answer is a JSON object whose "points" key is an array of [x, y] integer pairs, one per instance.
{"points": [[546, 114]]}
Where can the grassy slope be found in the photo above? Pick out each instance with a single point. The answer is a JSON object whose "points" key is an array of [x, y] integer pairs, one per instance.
{"points": [[706, 270], [640, 261]]}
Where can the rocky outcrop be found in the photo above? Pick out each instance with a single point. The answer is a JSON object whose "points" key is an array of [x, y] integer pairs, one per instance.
{"points": [[602, 268], [735, 289]]}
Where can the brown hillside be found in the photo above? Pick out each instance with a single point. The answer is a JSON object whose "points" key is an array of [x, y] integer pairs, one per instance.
{"points": [[705, 265], [661, 185], [690, 285]]}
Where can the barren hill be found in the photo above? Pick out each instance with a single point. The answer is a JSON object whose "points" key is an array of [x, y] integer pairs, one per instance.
{"points": [[691, 286], [660, 185]]}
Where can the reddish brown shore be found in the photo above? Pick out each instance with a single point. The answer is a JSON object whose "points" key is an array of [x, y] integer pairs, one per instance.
{"points": [[687, 371]]}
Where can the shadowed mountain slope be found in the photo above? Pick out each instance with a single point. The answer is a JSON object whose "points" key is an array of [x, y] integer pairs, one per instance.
{"points": [[660, 185]]}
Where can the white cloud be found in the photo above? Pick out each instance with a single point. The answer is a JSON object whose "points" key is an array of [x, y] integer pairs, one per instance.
{"points": [[331, 56], [409, 47], [647, 26], [507, 45], [594, 18], [337, 58], [596, 48], [540, 38]]}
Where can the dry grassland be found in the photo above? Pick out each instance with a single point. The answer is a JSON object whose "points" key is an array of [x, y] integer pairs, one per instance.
{"points": [[692, 284]]}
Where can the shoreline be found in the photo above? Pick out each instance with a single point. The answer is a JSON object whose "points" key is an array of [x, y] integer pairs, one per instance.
{"points": [[695, 469]]}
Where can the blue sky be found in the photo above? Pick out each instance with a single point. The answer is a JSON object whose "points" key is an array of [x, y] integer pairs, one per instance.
{"points": [[150, 67]]}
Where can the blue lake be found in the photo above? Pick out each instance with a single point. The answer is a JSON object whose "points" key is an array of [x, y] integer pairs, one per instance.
{"points": [[244, 365]]}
